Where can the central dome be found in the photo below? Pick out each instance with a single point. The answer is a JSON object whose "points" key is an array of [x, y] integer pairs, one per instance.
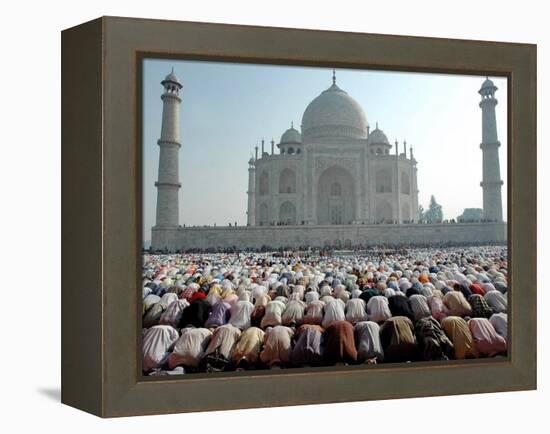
{"points": [[334, 114]]}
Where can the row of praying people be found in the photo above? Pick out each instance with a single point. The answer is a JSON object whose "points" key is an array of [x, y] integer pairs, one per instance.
{"points": [[426, 304]]}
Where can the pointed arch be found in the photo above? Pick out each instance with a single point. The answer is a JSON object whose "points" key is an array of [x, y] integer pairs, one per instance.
{"points": [[384, 212], [335, 197], [264, 215], [264, 184], [383, 181], [287, 213], [287, 181], [405, 183], [406, 212]]}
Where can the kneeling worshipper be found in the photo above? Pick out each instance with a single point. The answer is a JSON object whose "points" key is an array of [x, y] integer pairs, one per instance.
{"points": [[293, 314], [307, 350], [172, 315], [477, 289], [457, 304], [433, 342], [480, 308], [334, 311], [246, 352], [378, 309], [398, 340], [157, 343], [400, 306], [196, 314], [214, 294], [189, 347], [277, 345], [367, 294], [152, 316], [340, 343], [466, 292], [487, 341], [497, 301], [419, 306], [149, 301], [240, 314], [311, 295], [437, 308], [369, 348], [273, 314], [217, 356], [500, 323], [220, 314], [315, 310], [356, 310], [259, 309], [458, 332]]}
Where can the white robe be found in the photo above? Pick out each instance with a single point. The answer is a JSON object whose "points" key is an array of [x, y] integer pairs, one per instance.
{"points": [[157, 341], [356, 310]]}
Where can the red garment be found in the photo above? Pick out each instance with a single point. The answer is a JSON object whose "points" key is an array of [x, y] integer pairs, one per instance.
{"points": [[477, 289], [198, 295]]}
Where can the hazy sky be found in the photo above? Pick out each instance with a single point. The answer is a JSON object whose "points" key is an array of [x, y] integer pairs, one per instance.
{"points": [[228, 108]]}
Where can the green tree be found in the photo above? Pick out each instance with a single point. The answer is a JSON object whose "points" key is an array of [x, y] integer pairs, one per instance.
{"points": [[434, 214]]}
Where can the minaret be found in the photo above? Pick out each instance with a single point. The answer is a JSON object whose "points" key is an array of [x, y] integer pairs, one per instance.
{"points": [[251, 213], [397, 185], [491, 183], [168, 184]]}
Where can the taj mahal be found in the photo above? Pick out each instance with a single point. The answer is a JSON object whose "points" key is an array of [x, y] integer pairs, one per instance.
{"points": [[335, 181], [337, 171]]}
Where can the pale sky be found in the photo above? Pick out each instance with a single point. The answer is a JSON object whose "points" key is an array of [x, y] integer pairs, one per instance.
{"points": [[228, 108]]}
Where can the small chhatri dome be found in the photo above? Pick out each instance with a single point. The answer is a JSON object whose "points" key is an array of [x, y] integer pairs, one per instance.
{"points": [[377, 137], [334, 114], [171, 78], [487, 83], [487, 87], [291, 136]]}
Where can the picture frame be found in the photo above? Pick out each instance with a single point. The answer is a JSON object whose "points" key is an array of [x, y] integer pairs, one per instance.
{"points": [[101, 216]]}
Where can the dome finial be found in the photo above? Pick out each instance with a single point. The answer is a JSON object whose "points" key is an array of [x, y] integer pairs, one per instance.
{"points": [[333, 76], [376, 124], [291, 124]]}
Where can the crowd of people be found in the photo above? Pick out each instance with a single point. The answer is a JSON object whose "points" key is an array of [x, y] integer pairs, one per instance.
{"points": [[241, 311]]}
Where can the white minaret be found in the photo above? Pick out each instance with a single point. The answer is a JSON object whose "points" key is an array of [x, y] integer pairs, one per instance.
{"points": [[251, 213], [491, 183], [168, 184]]}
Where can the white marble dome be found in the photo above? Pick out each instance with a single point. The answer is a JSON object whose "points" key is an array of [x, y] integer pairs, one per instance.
{"points": [[334, 114], [377, 137], [291, 136]]}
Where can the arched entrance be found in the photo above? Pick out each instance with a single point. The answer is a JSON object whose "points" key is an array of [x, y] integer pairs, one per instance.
{"points": [[335, 197], [287, 181], [384, 212], [406, 212], [287, 213], [264, 184], [264, 215], [405, 184]]}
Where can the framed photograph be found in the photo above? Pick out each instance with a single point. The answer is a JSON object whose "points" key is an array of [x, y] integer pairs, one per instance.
{"points": [[261, 217]]}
